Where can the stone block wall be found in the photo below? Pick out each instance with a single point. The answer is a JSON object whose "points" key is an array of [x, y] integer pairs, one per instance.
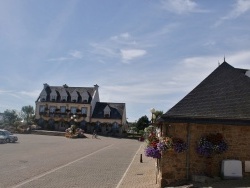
{"points": [[176, 167]]}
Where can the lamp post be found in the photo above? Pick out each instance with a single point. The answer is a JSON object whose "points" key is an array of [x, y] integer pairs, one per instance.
{"points": [[74, 118], [153, 115]]}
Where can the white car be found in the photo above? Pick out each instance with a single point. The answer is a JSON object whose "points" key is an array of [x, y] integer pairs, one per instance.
{"points": [[8, 136]]}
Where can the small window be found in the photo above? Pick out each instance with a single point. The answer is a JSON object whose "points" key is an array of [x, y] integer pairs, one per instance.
{"points": [[52, 109], [73, 110], [42, 108], [63, 109], [53, 97], [63, 98], [84, 110]]}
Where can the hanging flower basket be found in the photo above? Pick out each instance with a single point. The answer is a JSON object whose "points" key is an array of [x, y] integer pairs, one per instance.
{"points": [[155, 146], [211, 144]]}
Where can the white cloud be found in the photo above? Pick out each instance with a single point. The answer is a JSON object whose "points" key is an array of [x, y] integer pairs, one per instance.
{"points": [[181, 6], [130, 54], [239, 8], [76, 54], [73, 55], [122, 46]]}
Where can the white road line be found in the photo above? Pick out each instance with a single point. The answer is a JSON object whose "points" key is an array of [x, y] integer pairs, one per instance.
{"points": [[118, 185], [58, 168]]}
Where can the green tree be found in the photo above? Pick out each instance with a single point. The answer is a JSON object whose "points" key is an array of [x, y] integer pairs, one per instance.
{"points": [[10, 117], [142, 123], [158, 114], [27, 113]]}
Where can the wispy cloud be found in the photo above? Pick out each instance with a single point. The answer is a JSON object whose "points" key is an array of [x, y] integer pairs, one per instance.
{"points": [[181, 6], [122, 47], [239, 8], [72, 55], [130, 54]]}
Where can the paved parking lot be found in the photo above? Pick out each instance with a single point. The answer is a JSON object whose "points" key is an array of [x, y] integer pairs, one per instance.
{"points": [[55, 161]]}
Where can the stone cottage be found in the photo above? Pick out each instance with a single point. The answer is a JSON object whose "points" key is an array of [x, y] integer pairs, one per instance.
{"points": [[220, 104]]}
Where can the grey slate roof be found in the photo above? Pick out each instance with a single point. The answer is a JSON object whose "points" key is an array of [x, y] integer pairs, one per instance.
{"points": [[69, 90], [222, 97], [116, 112]]}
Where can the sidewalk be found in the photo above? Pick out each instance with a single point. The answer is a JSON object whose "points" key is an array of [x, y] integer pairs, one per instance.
{"points": [[140, 175]]}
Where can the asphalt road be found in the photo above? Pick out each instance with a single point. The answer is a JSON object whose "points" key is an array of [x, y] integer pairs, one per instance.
{"points": [[55, 161]]}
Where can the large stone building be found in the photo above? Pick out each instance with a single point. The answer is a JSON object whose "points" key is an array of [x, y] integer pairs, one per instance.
{"points": [[219, 105], [58, 107]]}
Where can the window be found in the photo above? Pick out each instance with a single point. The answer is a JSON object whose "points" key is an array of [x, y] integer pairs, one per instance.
{"points": [[64, 98], [84, 110], [42, 108], [52, 97], [43, 98], [73, 110], [107, 112], [63, 109], [52, 110]]}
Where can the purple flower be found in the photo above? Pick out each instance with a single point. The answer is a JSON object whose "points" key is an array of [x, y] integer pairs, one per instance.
{"points": [[152, 152]]}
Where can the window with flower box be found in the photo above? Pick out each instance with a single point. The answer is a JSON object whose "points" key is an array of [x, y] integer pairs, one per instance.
{"points": [[42, 109], [73, 110], [52, 110], [63, 110], [84, 111]]}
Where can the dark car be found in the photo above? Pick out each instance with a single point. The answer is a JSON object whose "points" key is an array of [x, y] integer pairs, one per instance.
{"points": [[8, 136]]}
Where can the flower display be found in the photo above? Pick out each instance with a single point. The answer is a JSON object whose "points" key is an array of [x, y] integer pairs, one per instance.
{"points": [[157, 145], [179, 145], [211, 144]]}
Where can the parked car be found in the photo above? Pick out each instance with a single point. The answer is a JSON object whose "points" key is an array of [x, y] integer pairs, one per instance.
{"points": [[8, 136], [2, 139]]}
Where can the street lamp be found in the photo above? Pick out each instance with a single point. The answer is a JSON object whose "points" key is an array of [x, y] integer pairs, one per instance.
{"points": [[153, 115], [73, 127]]}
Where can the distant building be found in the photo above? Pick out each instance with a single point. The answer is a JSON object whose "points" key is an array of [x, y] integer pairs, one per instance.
{"points": [[58, 107]]}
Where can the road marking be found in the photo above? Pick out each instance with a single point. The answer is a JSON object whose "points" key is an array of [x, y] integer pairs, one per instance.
{"points": [[58, 168], [125, 173]]}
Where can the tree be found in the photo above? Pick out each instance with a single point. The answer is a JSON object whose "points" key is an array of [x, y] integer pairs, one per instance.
{"points": [[27, 113], [158, 114], [142, 123], [10, 117]]}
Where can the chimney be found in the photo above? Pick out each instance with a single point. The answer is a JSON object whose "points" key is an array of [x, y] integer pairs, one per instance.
{"points": [[45, 85]]}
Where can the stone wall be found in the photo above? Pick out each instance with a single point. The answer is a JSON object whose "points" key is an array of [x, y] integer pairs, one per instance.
{"points": [[176, 167]]}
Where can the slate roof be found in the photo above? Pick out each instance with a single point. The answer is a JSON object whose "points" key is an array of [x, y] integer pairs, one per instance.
{"points": [[116, 112], [69, 91], [222, 97]]}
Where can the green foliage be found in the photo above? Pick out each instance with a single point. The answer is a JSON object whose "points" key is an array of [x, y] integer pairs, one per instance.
{"points": [[142, 123], [27, 114], [10, 117], [158, 114]]}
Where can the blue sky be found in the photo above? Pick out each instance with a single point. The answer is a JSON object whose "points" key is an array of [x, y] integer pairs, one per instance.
{"points": [[145, 53]]}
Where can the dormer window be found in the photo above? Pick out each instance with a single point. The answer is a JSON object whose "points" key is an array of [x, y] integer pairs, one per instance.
{"points": [[85, 97], [74, 96], [107, 111], [53, 97], [63, 98], [43, 98], [63, 94], [43, 95]]}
